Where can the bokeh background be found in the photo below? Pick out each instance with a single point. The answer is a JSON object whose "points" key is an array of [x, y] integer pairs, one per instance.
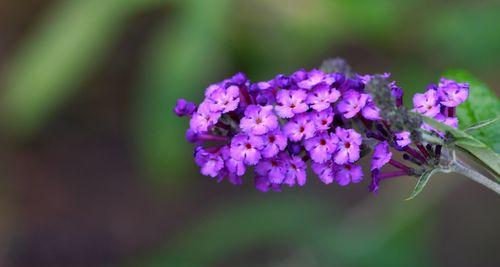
{"points": [[94, 169]]}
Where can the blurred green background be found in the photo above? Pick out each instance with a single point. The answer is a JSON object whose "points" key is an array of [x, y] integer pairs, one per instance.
{"points": [[94, 169]]}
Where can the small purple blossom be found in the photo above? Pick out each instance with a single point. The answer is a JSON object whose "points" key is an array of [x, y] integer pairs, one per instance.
{"points": [[322, 120], [352, 102], [225, 100], [321, 97], [371, 112], [274, 168], [259, 120], [246, 148], [300, 126], [184, 108], [314, 78], [296, 171], [403, 138], [203, 118], [211, 163], [381, 155], [274, 142], [325, 171], [427, 103], [347, 142], [349, 173], [291, 102], [320, 147], [452, 93]]}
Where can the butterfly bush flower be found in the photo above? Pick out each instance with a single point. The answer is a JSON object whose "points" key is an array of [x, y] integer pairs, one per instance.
{"points": [[326, 119], [291, 102], [258, 120]]}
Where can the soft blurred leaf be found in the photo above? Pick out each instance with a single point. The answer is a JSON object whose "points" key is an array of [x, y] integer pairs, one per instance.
{"points": [[481, 105], [421, 183], [482, 124], [71, 39], [485, 156], [184, 57]]}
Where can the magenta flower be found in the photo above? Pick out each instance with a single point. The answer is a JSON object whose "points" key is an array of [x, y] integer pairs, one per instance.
{"points": [[283, 125], [352, 102], [349, 173], [321, 97], [291, 102], [300, 126], [236, 167], [203, 118], [225, 100], [381, 155], [274, 168], [325, 171], [314, 78], [259, 120], [403, 138], [322, 120], [347, 142], [320, 147], [274, 142], [452, 93], [370, 111], [211, 163], [184, 108], [246, 148], [427, 103], [296, 171]]}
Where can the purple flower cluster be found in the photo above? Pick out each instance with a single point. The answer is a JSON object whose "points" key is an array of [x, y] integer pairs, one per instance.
{"points": [[328, 120], [440, 102]]}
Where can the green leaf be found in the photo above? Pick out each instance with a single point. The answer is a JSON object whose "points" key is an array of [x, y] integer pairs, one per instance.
{"points": [[485, 156], [481, 105], [458, 135], [467, 143], [422, 181], [481, 125]]}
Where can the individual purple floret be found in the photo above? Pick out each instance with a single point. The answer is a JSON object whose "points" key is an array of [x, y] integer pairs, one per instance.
{"points": [[246, 148], [381, 156], [403, 138], [349, 173], [291, 102], [225, 100], [320, 147], [259, 120], [352, 102], [322, 97], [296, 171], [451, 93], [274, 129], [274, 168], [299, 127], [347, 144], [184, 108], [274, 142], [204, 118], [427, 104], [322, 120]]}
